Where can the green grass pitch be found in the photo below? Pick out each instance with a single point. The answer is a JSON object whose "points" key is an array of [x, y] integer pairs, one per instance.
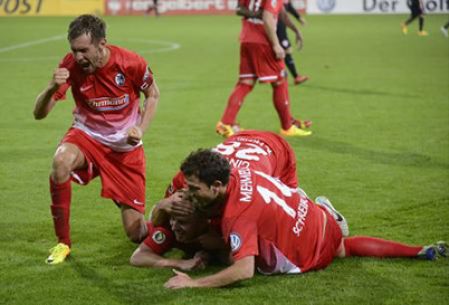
{"points": [[380, 150]]}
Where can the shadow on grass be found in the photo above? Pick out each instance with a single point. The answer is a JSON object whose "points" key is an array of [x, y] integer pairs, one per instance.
{"points": [[408, 159]]}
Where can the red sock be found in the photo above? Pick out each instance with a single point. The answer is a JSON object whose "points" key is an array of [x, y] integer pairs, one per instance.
{"points": [[60, 209], [370, 246], [282, 104], [235, 101]]}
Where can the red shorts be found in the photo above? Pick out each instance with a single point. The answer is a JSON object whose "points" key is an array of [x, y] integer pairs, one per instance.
{"points": [[331, 242], [122, 173], [258, 61]]}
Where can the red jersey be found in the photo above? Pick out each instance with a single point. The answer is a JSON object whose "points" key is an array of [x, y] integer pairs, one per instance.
{"points": [[264, 218], [257, 150], [107, 101], [253, 30]]}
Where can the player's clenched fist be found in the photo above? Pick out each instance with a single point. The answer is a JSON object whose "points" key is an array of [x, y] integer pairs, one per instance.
{"points": [[60, 76], [135, 134]]}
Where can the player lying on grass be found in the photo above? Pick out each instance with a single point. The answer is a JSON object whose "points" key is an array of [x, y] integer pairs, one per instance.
{"points": [[260, 150], [199, 238], [272, 227]]}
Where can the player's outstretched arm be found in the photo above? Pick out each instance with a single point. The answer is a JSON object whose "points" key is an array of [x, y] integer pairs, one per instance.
{"points": [[44, 102], [241, 270], [145, 257]]}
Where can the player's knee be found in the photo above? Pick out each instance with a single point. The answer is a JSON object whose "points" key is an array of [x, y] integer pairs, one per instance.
{"points": [[135, 232], [247, 81], [135, 236], [60, 169]]}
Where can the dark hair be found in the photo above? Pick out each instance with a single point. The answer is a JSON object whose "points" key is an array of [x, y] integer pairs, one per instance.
{"points": [[89, 25], [207, 165]]}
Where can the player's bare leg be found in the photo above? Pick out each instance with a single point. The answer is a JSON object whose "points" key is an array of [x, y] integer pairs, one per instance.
{"points": [[134, 224], [67, 158]]}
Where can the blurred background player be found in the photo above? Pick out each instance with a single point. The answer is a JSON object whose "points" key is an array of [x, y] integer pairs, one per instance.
{"points": [[261, 59], [153, 7], [272, 227], [281, 31], [444, 29], [417, 11], [105, 138]]}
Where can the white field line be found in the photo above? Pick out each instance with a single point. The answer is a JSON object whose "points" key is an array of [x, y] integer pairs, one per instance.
{"points": [[30, 43], [165, 46]]}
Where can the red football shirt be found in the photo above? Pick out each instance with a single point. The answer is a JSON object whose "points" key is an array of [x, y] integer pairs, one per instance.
{"points": [[260, 210], [107, 101], [253, 30]]}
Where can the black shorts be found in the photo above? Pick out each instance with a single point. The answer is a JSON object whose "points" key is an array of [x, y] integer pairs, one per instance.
{"points": [[281, 32]]}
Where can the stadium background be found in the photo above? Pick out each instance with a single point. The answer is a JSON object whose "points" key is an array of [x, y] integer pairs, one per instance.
{"points": [[380, 149]]}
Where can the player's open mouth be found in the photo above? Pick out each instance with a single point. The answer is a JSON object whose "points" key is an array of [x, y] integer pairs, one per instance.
{"points": [[84, 65]]}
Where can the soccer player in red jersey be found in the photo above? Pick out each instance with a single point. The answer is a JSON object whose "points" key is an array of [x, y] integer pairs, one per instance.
{"points": [[105, 138], [199, 238], [261, 58], [272, 227], [259, 150]]}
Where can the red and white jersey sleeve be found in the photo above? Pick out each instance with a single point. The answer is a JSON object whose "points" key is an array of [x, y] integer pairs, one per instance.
{"points": [[159, 239], [261, 208], [107, 101]]}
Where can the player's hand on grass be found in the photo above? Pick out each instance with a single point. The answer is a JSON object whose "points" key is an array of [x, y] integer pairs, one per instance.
{"points": [[135, 134], [180, 280], [279, 51], [60, 76]]}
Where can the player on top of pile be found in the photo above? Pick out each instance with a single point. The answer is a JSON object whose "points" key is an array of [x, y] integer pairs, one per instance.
{"points": [[105, 138]]}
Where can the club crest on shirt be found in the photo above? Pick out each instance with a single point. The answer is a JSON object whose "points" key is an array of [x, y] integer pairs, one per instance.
{"points": [[235, 241], [158, 237], [120, 79]]}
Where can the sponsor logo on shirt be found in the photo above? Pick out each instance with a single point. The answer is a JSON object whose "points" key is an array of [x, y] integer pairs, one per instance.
{"points": [[158, 237], [235, 241], [120, 79], [109, 103]]}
